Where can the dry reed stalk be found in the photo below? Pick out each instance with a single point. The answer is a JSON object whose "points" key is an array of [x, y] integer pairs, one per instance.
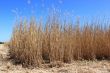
{"points": [[32, 45]]}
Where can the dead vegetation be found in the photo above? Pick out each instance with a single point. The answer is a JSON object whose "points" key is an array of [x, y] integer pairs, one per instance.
{"points": [[33, 45]]}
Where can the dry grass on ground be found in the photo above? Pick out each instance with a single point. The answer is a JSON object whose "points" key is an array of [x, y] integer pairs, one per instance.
{"points": [[7, 66]]}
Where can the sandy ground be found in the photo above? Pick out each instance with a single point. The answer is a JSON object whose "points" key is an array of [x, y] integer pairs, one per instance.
{"points": [[6, 66]]}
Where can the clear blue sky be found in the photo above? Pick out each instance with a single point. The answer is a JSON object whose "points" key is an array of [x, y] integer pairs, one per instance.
{"points": [[10, 10]]}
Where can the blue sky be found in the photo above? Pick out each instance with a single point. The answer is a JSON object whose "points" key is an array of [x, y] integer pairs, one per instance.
{"points": [[10, 10]]}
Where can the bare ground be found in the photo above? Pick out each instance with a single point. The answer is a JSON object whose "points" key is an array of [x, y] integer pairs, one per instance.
{"points": [[6, 66]]}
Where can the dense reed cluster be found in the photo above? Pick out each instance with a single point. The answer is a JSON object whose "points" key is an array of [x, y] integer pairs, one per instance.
{"points": [[33, 44]]}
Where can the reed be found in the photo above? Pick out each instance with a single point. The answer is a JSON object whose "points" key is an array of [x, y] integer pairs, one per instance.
{"points": [[34, 45]]}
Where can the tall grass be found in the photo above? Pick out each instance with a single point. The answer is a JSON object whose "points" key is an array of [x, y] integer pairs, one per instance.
{"points": [[26, 44], [33, 45]]}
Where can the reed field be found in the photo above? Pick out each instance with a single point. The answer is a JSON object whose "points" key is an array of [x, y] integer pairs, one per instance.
{"points": [[33, 43]]}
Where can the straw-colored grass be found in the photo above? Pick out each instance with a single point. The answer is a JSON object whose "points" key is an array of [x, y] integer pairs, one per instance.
{"points": [[33, 45]]}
